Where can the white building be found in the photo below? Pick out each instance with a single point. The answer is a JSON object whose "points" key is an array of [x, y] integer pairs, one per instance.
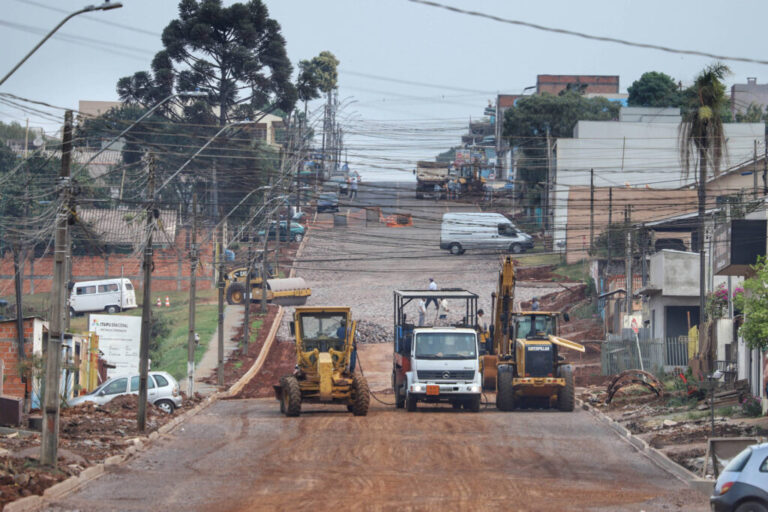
{"points": [[641, 149]]}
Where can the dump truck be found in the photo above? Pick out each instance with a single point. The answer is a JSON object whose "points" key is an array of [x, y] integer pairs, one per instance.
{"points": [[429, 174], [522, 361], [436, 363], [285, 292], [325, 370]]}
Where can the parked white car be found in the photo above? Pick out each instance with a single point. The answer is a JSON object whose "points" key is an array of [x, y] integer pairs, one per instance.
{"points": [[162, 391], [110, 295]]}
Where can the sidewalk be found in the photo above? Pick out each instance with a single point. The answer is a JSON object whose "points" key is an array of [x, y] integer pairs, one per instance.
{"points": [[233, 319]]}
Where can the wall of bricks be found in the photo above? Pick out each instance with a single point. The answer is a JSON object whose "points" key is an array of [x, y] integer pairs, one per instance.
{"points": [[553, 84], [9, 353], [171, 272]]}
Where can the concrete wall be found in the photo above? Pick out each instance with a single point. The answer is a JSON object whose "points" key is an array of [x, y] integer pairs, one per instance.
{"points": [[743, 95], [553, 84], [676, 273]]}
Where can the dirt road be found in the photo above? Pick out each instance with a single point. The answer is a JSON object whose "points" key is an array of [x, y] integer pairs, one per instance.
{"points": [[242, 455]]}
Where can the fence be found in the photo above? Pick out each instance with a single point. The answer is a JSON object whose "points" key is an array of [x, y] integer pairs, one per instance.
{"points": [[620, 352]]}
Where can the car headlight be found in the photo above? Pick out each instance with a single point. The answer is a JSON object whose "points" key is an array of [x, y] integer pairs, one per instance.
{"points": [[417, 388], [475, 389]]}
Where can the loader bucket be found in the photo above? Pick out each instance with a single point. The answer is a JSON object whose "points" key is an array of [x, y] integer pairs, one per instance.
{"points": [[291, 291]]}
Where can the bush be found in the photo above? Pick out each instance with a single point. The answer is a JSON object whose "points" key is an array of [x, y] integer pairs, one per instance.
{"points": [[752, 407]]}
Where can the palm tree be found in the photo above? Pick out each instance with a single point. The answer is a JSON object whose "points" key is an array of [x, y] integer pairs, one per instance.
{"points": [[702, 135]]}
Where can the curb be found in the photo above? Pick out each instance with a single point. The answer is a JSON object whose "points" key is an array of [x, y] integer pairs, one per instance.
{"points": [[703, 485]]}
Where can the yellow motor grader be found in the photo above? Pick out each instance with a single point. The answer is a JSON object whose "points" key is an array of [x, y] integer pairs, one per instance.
{"points": [[325, 363], [522, 362]]}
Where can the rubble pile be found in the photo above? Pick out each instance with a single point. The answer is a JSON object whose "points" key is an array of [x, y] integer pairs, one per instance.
{"points": [[370, 332]]}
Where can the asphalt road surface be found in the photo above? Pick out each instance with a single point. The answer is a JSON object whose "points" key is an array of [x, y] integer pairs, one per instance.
{"points": [[242, 455]]}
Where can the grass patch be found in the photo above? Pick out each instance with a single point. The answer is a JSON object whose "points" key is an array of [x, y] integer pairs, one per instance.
{"points": [[574, 271], [536, 259], [253, 332], [584, 310], [169, 352]]}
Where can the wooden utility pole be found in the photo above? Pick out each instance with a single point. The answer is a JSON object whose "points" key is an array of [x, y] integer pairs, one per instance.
{"points": [[146, 306], [545, 216], [191, 341], [754, 171], [610, 221], [591, 210], [247, 295], [220, 285], [628, 271], [50, 436]]}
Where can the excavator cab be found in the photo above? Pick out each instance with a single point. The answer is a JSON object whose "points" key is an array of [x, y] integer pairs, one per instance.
{"points": [[324, 363]]}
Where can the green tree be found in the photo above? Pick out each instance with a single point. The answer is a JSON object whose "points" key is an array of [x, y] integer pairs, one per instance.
{"points": [[702, 135], [527, 124], [753, 114], [654, 89], [754, 304], [12, 130]]}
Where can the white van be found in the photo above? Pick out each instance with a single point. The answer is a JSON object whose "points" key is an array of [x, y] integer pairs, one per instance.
{"points": [[475, 230], [110, 295]]}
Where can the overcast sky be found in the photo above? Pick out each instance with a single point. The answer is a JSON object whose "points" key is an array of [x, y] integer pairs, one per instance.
{"points": [[464, 61]]}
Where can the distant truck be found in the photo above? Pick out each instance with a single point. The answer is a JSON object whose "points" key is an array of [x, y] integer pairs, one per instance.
{"points": [[429, 174]]}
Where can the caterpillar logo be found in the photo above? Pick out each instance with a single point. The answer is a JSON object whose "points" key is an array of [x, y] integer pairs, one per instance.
{"points": [[539, 348]]}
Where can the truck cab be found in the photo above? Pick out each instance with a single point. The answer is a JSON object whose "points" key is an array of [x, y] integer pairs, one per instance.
{"points": [[435, 364]]}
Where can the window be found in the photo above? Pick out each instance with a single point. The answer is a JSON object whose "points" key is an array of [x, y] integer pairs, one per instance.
{"points": [[738, 462], [135, 383], [764, 466], [86, 290], [507, 230], [116, 386], [161, 381], [128, 286], [105, 288]]}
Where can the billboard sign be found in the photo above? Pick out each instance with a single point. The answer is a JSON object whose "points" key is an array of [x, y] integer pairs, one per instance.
{"points": [[461, 158], [119, 338]]}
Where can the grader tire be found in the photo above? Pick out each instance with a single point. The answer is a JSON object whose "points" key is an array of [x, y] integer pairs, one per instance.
{"points": [[505, 393], [566, 396], [362, 395], [235, 294], [291, 401]]}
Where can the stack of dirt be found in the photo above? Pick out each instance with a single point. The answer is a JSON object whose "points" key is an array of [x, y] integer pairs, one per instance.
{"points": [[370, 332], [534, 273], [280, 361]]}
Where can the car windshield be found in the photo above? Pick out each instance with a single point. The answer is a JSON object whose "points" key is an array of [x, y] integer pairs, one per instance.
{"points": [[432, 345], [534, 326]]}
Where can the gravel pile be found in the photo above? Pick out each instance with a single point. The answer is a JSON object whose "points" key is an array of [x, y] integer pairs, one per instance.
{"points": [[370, 332]]}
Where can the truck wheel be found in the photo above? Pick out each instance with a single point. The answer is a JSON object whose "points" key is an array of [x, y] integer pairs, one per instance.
{"points": [[456, 249], [410, 402], [505, 393], [112, 309], [516, 248], [362, 395], [456, 404], [399, 397], [565, 397], [290, 404], [473, 404], [235, 293]]}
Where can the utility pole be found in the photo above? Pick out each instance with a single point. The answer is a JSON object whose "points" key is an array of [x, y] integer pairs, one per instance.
{"points": [[591, 210], [610, 221], [191, 341], [765, 167], [545, 216], [265, 257], [220, 285], [146, 306], [247, 297], [50, 435], [754, 171], [628, 271]]}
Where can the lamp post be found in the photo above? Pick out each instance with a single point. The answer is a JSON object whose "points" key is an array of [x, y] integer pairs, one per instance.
{"points": [[103, 7]]}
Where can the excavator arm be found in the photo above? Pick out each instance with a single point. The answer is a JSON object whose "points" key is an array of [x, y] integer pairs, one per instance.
{"points": [[503, 303]]}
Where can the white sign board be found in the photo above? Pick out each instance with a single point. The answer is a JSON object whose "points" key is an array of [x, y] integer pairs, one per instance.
{"points": [[633, 322], [119, 338]]}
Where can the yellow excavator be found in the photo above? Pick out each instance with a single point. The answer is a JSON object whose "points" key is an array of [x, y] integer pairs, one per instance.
{"points": [[522, 362], [325, 363], [291, 291]]}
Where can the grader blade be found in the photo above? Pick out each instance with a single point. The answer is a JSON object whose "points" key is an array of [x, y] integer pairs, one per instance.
{"points": [[291, 291]]}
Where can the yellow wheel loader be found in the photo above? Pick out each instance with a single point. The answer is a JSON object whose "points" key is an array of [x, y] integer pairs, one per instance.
{"points": [[522, 362], [285, 292], [325, 363]]}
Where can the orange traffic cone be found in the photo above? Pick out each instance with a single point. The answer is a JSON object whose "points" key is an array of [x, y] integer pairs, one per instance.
{"points": [[158, 303], [167, 302]]}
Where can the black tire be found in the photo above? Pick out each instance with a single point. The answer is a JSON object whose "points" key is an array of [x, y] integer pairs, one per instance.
{"points": [[505, 394], [516, 248], [298, 237], [166, 406], [456, 404], [473, 404], [112, 309], [410, 403], [399, 397], [456, 249], [236, 293], [291, 399], [72, 313], [751, 506], [567, 396], [361, 397]]}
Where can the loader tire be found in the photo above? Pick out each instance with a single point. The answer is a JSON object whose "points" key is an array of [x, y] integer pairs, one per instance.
{"points": [[362, 395], [235, 294], [566, 396], [290, 404], [505, 393]]}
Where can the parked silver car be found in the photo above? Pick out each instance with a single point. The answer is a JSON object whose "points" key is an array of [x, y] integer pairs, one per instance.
{"points": [[743, 484], [162, 391]]}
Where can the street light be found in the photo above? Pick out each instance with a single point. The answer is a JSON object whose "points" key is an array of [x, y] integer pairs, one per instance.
{"points": [[103, 7]]}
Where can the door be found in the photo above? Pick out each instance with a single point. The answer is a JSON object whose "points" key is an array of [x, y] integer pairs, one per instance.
{"points": [[151, 388], [115, 388]]}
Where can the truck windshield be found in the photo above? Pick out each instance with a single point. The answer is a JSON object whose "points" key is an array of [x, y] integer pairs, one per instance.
{"points": [[534, 326], [432, 345]]}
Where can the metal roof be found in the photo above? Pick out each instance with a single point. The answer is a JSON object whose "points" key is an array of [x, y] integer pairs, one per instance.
{"points": [[116, 227]]}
